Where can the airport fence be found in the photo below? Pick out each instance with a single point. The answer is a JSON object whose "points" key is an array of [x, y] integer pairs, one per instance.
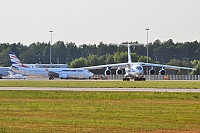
{"points": [[153, 77]]}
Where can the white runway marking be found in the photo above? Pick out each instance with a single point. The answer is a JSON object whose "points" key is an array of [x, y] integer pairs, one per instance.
{"points": [[103, 89]]}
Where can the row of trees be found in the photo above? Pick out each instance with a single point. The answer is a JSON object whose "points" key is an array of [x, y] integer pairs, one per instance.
{"points": [[181, 54]]}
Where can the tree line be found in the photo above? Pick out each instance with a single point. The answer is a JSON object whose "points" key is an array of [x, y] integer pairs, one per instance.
{"points": [[181, 54]]}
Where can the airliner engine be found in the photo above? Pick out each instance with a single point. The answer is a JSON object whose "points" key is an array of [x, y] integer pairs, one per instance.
{"points": [[63, 76], [119, 71], [162, 72], [107, 72], [152, 71]]}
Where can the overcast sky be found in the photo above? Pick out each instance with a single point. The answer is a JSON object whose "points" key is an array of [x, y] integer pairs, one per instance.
{"points": [[92, 21]]}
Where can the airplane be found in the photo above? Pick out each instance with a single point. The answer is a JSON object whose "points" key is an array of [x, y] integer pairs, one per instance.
{"points": [[16, 76], [135, 70], [62, 73]]}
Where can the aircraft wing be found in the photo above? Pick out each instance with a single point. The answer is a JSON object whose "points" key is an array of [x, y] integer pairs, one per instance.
{"points": [[57, 74], [123, 65], [110, 66], [51, 73], [165, 66]]}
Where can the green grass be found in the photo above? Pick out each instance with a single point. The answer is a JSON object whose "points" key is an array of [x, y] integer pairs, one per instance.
{"points": [[101, 84], [68, 111]]}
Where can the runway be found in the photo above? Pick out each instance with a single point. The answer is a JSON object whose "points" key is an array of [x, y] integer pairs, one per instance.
{"points": [[104, 89]]}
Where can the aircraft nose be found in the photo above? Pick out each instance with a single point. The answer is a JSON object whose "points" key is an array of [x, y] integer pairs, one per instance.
{"points": [[91, 74], [140, 72]]}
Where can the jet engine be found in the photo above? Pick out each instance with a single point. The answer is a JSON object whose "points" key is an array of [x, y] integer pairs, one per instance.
{"points": [[107, 72], [152, 71], [162, 72], [119, 71], [63, 76]]}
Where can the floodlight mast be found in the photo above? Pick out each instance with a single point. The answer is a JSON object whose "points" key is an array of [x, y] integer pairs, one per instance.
{"points": [[50, 46], [147, 29], [147, 45]]}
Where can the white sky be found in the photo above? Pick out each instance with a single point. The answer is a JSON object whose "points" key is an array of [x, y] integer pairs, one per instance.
{"points": [[92, 21]]}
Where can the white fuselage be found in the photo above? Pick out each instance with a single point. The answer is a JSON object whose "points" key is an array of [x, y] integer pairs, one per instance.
{"points": [[134, 70], [68, 72]]}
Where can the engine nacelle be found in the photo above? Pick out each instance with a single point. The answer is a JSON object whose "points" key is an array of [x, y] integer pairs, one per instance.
{"points": [[63, 76], [152, 71], [107, 72], [119, 71], [162, 72]]}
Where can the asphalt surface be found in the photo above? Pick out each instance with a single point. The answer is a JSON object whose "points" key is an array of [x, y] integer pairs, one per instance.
{"points": [[104, 89]]}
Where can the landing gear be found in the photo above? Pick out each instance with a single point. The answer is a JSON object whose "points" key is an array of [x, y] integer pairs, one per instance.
{"points": [[139, 79], [126, 79], [51, 78], [135, 79]]}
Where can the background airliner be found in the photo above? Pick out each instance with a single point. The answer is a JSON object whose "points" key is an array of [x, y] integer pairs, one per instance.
{"points": [[134, 70], [52, 73], [16, 76]]}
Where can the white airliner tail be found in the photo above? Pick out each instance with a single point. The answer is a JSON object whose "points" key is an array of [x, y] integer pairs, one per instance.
{"points": [[129, 54], [16, 63]]}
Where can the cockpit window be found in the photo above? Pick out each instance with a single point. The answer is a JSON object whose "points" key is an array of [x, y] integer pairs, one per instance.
{"points": [[139, 68]]}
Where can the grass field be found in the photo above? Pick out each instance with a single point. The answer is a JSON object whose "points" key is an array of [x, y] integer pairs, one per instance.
{"points": [[67, 111], [100, 84]]}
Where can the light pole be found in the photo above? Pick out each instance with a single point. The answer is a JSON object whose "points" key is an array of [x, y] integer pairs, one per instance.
{"points": [[39, 61], [147, 29], [188, 65], [188, 62], [57, 60], [50, 45]]}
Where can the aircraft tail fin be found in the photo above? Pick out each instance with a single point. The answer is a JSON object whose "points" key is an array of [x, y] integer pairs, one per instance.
{"points": [[129, 54], [16, 63]]}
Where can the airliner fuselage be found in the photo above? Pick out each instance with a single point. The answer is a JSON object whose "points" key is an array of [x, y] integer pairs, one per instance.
{"points": [[134, 71], [55, 72]]}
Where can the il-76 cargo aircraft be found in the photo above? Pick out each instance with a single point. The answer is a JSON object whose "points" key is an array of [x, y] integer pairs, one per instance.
{"points": [[134, 70], [52, 73]]}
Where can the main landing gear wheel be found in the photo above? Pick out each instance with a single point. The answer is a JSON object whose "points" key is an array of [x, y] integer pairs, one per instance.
{"points": [[139, 79], [126, 79], [51, 78]]}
